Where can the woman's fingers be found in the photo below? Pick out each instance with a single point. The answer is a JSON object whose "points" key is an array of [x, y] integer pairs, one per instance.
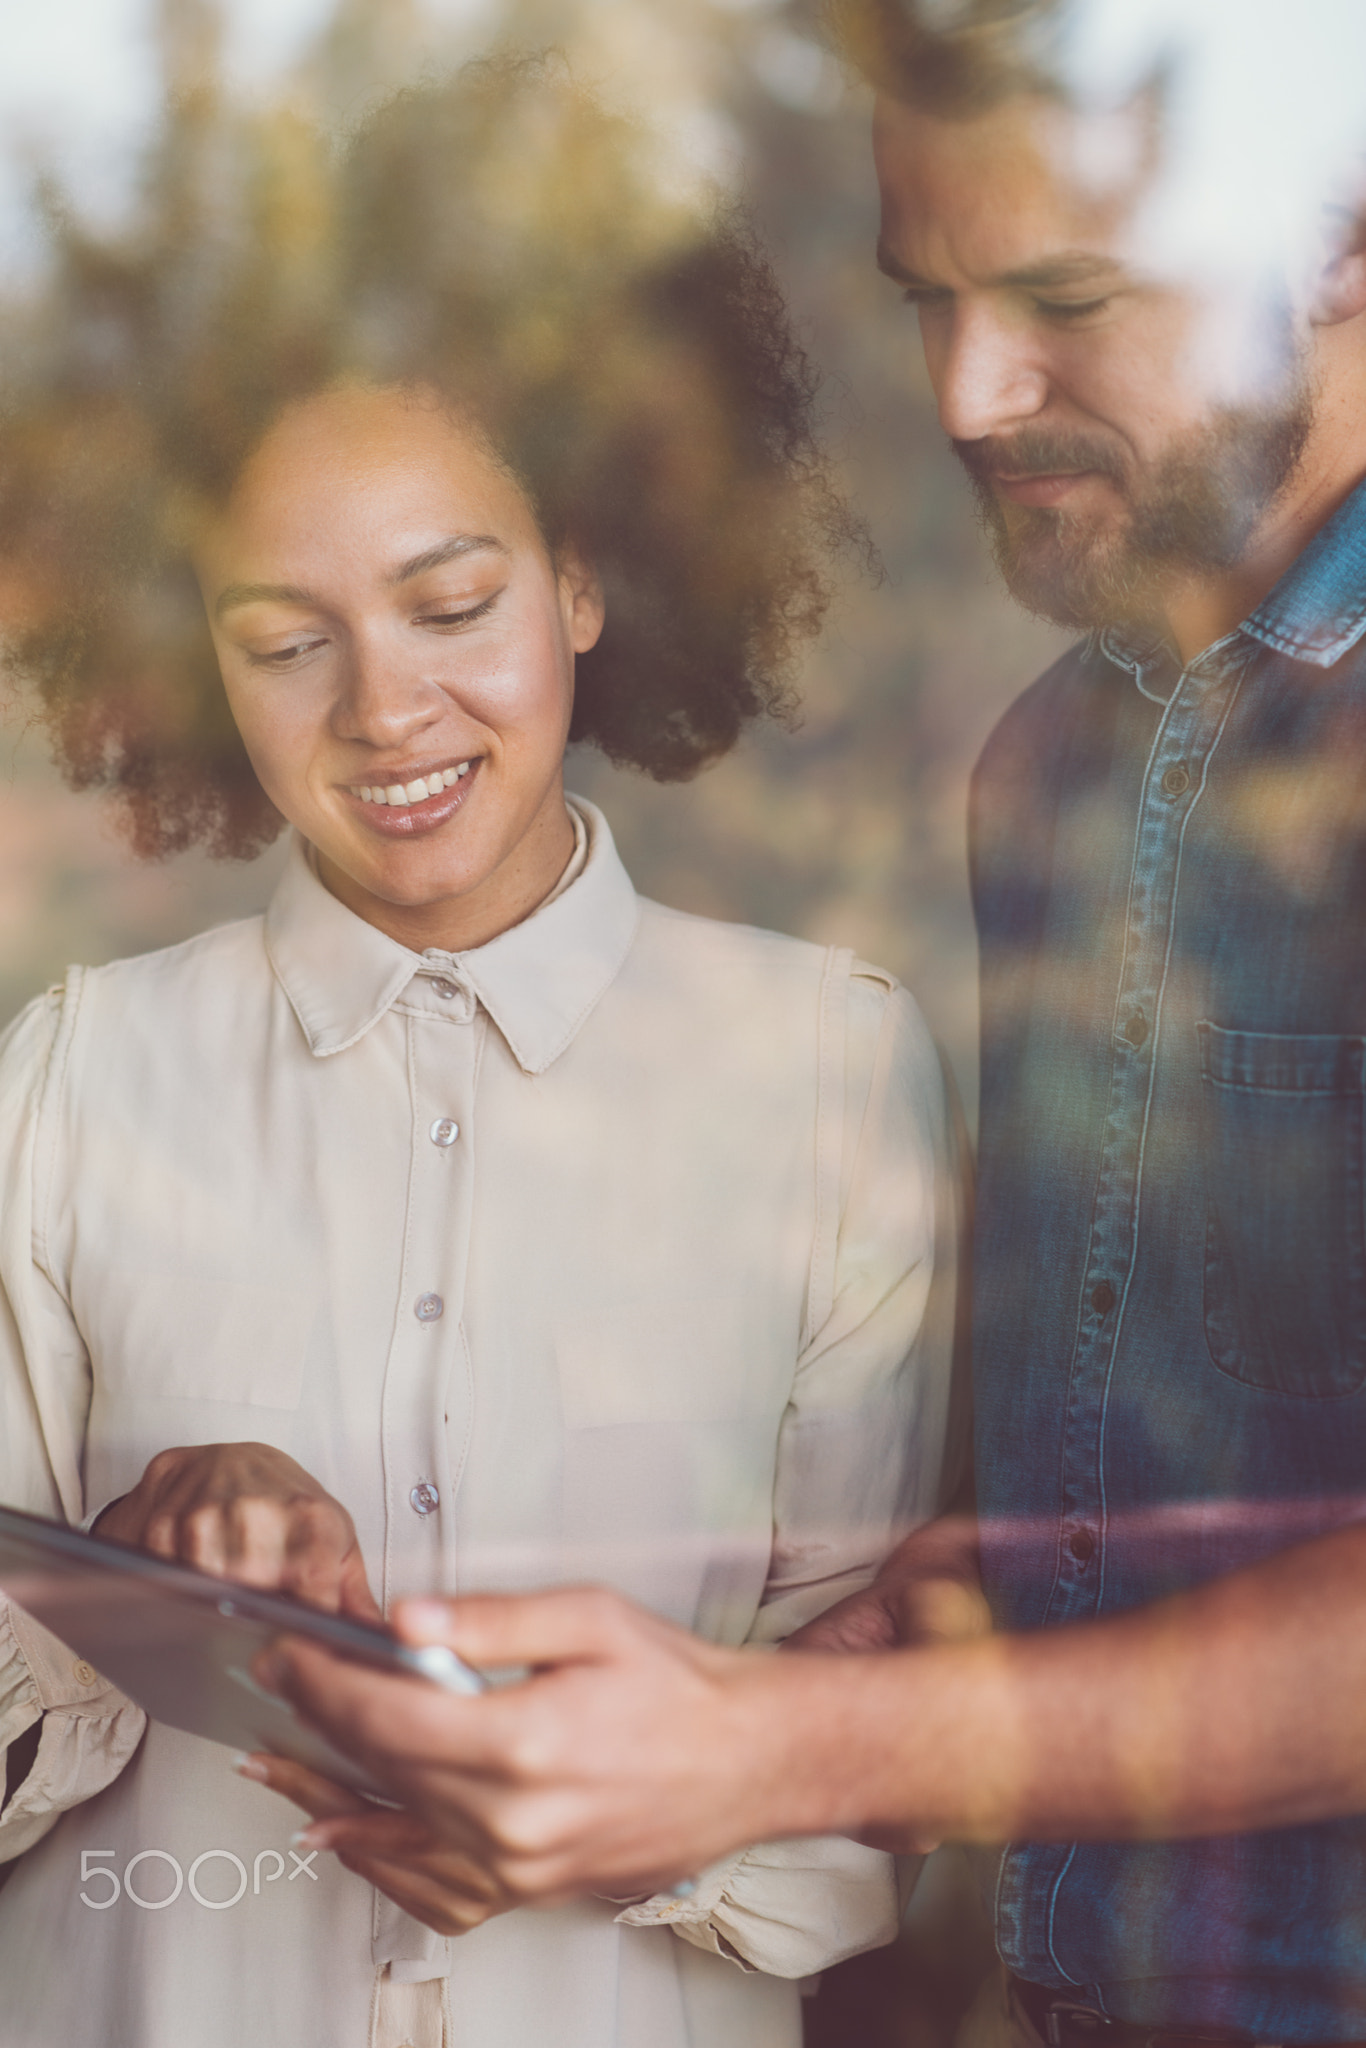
{"points": [[403, 1842], [246, 1512], [354, 1589], [317, 1795], [445, 1890], [443, 1910]]}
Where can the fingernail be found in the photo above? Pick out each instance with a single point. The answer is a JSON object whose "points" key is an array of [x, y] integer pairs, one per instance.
{"points": [[249, 1767], [425, 1617], [305, 1839]]}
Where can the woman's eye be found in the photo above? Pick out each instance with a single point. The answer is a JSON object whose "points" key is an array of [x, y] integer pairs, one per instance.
{"points": [[458, 615], [283, 657]]}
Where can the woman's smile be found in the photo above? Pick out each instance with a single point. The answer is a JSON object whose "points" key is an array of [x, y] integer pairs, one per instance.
{"points": [[406, 805], [398, 642]]}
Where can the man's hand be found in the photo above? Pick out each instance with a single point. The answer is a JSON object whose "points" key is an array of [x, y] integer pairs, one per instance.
{"points": [[396, 1852], [246, 1512], [928, 1591], [632, 1756]]}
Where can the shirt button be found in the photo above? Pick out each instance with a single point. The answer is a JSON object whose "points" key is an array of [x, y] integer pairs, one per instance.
{"points": [[429, 1308], [1082, 1546], [84, 1673], [444, 1131], [425, 1499], [1176, 781], [1136, 1030], [447, 990], [1102, 1298]]}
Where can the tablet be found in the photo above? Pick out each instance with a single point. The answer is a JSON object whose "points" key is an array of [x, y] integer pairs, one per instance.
{"points": [[181, 1643]]}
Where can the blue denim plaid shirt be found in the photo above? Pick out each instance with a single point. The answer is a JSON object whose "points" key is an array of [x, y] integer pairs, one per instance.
{"points": [[1169, 870]]}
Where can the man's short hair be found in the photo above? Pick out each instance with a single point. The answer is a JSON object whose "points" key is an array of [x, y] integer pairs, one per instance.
{"points": [[952, 57]]}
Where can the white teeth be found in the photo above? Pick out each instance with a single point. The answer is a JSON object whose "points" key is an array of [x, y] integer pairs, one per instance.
{"points": [[414, 792]]}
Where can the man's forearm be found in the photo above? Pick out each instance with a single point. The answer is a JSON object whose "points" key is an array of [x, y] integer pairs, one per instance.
{"points": [[1241, 1705], [635, 1753]]}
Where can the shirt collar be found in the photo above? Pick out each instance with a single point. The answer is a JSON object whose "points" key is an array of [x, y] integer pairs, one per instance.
{"points": [[1318, 609], [1315, 614], [538, 982]]}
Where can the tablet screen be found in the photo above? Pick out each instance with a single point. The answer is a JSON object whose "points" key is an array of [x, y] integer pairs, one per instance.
{"points": [[181, 1643]]}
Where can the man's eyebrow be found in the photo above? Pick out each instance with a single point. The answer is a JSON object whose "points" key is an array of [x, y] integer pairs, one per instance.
{"points": [[1048, 274], [1052, 271], [447, 551], [899, 274]]}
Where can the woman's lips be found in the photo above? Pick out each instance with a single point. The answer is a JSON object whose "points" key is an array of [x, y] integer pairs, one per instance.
{"points": [[393, 813]]}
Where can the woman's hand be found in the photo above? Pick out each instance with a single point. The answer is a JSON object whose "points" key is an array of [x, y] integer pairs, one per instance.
{"points": [[395, 1852], [246, 1512], [928, 1591]]}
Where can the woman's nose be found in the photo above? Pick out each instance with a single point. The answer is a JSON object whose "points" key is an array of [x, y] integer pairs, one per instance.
{"points": [[987, 374], [384, 699]]}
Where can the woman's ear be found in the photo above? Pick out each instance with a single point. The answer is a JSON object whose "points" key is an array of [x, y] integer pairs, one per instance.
{"points": [[1340, 292], [585, 609]]}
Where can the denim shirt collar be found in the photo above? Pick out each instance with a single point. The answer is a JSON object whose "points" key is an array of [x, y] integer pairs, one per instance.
{"points": [[1315, 614], [1318, 609]]}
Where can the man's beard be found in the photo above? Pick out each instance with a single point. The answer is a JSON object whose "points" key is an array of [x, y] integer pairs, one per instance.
{"points": [[1195, 512]]}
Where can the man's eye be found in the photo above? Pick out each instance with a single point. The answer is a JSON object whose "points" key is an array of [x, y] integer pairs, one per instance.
{"points": [[1070, 309], [459, 615]]}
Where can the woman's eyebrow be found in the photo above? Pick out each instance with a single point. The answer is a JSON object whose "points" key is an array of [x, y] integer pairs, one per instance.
{"points": [[237, 594], [447, 551], [431, 558]]}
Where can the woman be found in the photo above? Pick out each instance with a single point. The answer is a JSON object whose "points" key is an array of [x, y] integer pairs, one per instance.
{"points": [[465, 1221]]}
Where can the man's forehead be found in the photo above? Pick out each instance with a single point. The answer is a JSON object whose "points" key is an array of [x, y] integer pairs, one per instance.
{"points": [[1007, 196]]}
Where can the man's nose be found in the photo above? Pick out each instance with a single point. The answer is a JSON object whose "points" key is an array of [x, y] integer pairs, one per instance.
{"points": [[987, 374], [384, 699]]}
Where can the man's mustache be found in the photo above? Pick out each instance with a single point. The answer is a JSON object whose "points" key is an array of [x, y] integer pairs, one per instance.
{"points": [[1035, 453]]}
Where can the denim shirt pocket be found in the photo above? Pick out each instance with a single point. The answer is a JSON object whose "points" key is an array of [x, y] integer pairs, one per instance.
{"points": [[1285, 1234]]}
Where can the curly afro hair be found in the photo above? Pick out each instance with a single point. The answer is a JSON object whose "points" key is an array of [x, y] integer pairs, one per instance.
{"points": [[502, 240]]}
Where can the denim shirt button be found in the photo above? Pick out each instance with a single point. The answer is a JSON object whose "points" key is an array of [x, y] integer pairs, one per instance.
{"points": [[1103, 1298], [1176, 781], [1082, 1546], [1136, 1030]]}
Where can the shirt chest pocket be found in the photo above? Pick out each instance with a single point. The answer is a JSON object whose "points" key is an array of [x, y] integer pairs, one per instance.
{"points": [[669, 1362], [206, 1338], [1285, 1233]]}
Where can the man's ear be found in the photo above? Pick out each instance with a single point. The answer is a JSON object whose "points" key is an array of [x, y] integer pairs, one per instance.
{"points": [[1340, 293], [581, 595]]}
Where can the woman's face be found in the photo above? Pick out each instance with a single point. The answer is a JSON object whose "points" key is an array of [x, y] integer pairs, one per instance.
{"points": [[397, 645]]}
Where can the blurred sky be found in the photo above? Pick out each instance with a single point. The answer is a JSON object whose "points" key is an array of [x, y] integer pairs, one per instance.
{"points": [[79, 85]]}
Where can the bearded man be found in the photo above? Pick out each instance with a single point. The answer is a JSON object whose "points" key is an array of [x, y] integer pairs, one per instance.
{"points": [[1165, 1718]]}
